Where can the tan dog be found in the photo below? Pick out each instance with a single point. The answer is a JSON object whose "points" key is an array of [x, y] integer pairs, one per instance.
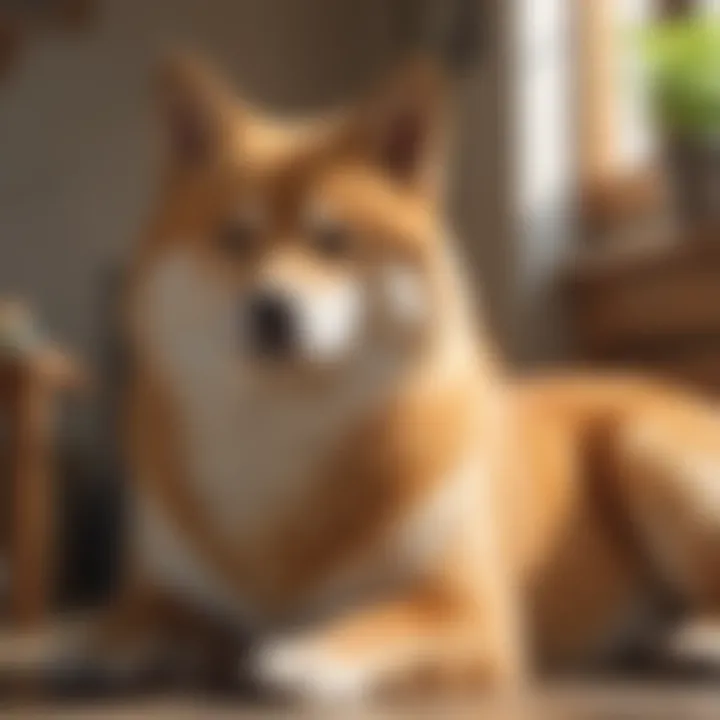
{"points": [[325, 450]]}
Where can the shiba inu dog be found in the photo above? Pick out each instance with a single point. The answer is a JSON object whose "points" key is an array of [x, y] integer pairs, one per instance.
{"points": [[326, 450]]}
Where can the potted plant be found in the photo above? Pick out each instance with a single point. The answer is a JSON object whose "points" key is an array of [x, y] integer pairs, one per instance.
{"points": [[682, 58]]}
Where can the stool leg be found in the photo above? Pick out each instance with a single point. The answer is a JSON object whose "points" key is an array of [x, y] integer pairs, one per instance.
{"points": [[31, 549]]}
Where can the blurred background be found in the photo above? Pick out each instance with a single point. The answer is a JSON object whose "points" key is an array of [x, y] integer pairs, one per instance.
{"points": [[585, 192]]}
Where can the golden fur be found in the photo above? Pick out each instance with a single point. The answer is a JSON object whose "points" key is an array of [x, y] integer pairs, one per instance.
{"points": [[586, 498], [500, 522]]}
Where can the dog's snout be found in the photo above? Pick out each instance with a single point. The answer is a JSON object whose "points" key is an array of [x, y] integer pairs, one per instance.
{"points": [[271, 324]]}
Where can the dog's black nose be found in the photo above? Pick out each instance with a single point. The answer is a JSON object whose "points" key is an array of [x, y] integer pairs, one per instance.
{"points": [[270, 324]]}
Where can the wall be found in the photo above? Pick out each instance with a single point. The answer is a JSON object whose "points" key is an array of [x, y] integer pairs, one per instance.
{"points": [[77, 147], [543, 172], [482, 193]]}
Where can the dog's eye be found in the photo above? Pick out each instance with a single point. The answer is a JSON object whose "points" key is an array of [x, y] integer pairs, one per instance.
{"points": [[332, 240], [238, 238]]}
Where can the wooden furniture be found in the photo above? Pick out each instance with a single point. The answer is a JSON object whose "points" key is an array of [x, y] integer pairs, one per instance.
{"points": [[647, 304], [29, 388], [652, 306]]}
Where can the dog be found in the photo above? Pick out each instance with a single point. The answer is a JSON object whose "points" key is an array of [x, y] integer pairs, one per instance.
{"points": [[326, 449]]}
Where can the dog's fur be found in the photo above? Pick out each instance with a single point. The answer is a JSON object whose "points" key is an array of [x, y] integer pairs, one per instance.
{"points": [[383, 503]]}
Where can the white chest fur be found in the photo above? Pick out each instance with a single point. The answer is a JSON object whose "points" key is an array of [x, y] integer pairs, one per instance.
{"points": [[250, 449], [250, 464]]}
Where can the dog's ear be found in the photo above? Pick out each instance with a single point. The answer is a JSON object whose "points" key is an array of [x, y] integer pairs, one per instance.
{"points": [[199, 110], [403, 127]]}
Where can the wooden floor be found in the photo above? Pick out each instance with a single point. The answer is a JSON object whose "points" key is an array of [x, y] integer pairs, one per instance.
{"points": [[615, 702]]}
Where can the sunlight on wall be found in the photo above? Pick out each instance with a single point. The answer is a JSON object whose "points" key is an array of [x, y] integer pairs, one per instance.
{"points": [[544, 168], [636, 141]]}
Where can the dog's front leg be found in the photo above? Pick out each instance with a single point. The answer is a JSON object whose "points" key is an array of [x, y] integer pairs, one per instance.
{"points": [[431, 637]]}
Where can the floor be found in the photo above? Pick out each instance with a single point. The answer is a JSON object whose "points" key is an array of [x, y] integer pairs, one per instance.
{"points": [[615, 702]]}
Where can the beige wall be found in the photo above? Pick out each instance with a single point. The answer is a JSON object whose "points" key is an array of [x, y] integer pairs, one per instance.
{"points": [[542, 137], [482, 198], [76, 140]]}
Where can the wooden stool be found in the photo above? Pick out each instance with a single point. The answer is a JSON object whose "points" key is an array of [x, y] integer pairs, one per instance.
{"points": [[29, 388]]}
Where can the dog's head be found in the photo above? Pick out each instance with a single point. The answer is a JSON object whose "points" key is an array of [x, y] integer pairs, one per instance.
{"points": [[299, 245]]}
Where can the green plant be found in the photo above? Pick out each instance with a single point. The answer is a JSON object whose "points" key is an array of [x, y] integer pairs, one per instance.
{"points": [[683, 62]]}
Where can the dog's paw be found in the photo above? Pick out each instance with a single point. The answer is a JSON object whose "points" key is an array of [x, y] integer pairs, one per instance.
{"points": [[296, 670]]}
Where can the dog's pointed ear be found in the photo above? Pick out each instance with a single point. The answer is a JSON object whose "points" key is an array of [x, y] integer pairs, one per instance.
{"points": [[199, 110], [403, 128]]}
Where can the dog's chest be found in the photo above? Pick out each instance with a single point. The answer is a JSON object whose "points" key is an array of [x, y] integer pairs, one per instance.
{"points": [[252, 458], [252, 451], [250, 465], [247, 449]]}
